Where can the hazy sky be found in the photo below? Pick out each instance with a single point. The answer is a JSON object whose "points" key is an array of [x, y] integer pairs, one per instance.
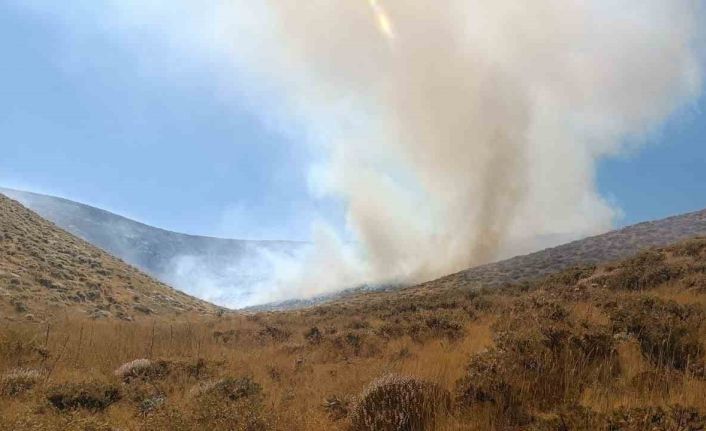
{"points": [[128, 124]]}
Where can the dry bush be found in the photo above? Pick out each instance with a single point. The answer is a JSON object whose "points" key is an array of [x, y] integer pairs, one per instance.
{"points": [[670, 418], [394, 403], [655, 381], [141, 369], [151, 404], [541, 360], [18, 381], [63, 422], [694, 248], [578, 418], [271, 333], [20, 345], [144, 395], [571, 276], [338, 407], [228, 387], [486, 383], [645, 271], [572, 418], [313, 335], [226, 404], [669, 334], [673, 418], [93, 395]]}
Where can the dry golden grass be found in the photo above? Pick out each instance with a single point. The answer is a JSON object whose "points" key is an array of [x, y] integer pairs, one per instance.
{"points": [[46, 272], [596, 348]]}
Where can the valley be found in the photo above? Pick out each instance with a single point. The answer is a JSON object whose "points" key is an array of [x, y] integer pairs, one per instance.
{"points": [[617, 346]]}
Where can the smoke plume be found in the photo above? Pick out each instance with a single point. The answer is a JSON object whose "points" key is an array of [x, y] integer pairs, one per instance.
{"points": [[460, 131], [454, 132]]}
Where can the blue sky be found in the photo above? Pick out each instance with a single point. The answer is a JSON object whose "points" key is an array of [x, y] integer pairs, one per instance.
{"points": [[130, 128], [89, 120]]}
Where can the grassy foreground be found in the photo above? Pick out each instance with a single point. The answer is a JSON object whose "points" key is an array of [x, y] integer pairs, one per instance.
{"points": [[615, 347]]}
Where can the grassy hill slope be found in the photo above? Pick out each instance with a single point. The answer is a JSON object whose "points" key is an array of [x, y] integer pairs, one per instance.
{"points": [[618, 346], [593, 250], [45, 271], [190, 263]]}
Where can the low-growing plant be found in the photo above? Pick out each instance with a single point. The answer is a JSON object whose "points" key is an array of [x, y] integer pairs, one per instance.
{"points": [[395, 403], [141, 369], [18, 381], [668, 333], [93, 395]]}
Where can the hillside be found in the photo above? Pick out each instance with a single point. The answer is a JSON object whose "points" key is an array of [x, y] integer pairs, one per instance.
{"points": [[234, 268], [46, 271], [615, 347], [594, 250], [188, 262]]}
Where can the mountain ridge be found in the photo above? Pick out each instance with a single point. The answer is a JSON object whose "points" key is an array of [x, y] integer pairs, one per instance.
{"points": [[230, 259], [231, 269], [599, 249]]}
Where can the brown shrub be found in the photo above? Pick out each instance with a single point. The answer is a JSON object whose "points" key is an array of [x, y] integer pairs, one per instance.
{"points": [[273, 333], [693, 248], [313, 335], [337, 407], [541, 359], [484, 381], [18, 381], [571, 276], [442, 326], [149, 405], [150, 370], [577, 418], [233, 404], [485, 385], [647, 270], [394, 403], [654, 381], [88, 395], [573, 418], [668, 333], [657, 419], [209, 413], [142, 369], [356, 344], [228, 387]]}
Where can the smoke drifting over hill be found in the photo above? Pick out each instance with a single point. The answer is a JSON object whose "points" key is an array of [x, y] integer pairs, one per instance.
{"points": [[463, 130], [454, 131]]}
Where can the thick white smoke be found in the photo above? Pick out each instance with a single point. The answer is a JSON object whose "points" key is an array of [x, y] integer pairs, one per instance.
{"points": [[455, 131], [463, 130]]}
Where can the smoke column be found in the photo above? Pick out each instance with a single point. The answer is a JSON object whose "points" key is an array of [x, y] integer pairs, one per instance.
{"points": [[457, 132], [454, 132]]}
